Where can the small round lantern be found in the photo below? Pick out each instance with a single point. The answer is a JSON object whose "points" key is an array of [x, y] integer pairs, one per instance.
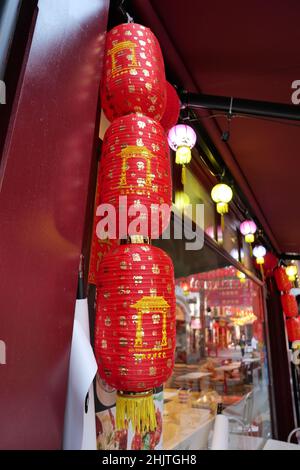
{"points": [[221, 194], [171, 114], [133, 79], [289, 305], [135, 176], [135, 332], [259, 253], [182, 139], [293, 328], [291, 271], [248, 229], [282, 280]]}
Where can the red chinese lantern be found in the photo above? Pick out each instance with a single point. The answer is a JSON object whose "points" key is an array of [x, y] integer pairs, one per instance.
{"points": [[171, 114], [135, 163], [293, 328], [135, 333], [289, 305], [270, 263], [133, 78], [282, 280]]}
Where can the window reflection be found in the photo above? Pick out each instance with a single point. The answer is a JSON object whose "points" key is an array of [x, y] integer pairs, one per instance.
{"points": [[220, 346]]}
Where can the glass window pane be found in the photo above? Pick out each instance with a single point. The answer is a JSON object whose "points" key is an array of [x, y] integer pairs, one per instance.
{"points": [[220, 350]]}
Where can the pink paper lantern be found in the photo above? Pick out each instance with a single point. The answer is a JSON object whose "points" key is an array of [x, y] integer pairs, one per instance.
{"points": [[248, 229]]}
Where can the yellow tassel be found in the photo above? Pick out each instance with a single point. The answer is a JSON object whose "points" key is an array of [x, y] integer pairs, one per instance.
{"points": [[137, 408], [251, 250], [222, 224], [183, 175]]}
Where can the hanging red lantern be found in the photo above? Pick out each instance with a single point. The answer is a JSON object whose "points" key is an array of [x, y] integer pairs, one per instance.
{"points": [[282, 280], [135, 163], [289, 305], [270, 263], [135, 333], [293, 328], [133, 79], [171, 114]]}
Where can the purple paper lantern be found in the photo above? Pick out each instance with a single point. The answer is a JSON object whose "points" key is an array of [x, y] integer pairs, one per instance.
{"points": [[248, 229]]}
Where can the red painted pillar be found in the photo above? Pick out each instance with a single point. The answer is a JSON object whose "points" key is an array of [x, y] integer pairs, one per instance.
{"points": [[44, 179]]}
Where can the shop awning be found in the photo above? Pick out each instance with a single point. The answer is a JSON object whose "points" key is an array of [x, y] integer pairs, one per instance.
{"points": [[246, 50]]}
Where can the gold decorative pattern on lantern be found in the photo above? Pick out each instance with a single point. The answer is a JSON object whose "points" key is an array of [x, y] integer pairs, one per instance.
{"points": [[152, 370], [155, 269], [107, 321], [132, 151], [123, 342], [104, 344], [115, 52], [122, 321], [146, 305]]}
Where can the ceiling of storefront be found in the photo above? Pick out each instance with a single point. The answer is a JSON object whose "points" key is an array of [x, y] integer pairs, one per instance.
{"points": [[246, 50]]}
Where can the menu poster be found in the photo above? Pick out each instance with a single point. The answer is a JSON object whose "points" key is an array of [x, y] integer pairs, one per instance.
{"points": [[109, 438]]}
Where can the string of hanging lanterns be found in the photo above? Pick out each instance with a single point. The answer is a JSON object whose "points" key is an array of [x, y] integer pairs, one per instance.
{"points": [[135, 309], [135, 319]]}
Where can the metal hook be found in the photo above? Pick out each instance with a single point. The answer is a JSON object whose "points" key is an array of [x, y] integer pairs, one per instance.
{"points": [[230, 108]]}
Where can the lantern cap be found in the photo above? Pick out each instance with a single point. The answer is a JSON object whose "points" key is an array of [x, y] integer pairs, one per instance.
{"points": [[181, 135]]}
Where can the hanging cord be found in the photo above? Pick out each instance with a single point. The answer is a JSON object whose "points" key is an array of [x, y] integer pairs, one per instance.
{"points": [[226, 134], [125, 13]]}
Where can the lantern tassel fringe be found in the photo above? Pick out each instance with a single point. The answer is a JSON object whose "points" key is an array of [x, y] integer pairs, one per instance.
{"points": [[222, 224], [183, 175], [139, 410]]}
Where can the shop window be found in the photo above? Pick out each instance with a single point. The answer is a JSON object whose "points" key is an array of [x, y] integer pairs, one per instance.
{"points": [[220, 351]]}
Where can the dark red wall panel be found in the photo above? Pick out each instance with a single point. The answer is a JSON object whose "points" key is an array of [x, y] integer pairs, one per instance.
{"points": [[44, 175]]}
